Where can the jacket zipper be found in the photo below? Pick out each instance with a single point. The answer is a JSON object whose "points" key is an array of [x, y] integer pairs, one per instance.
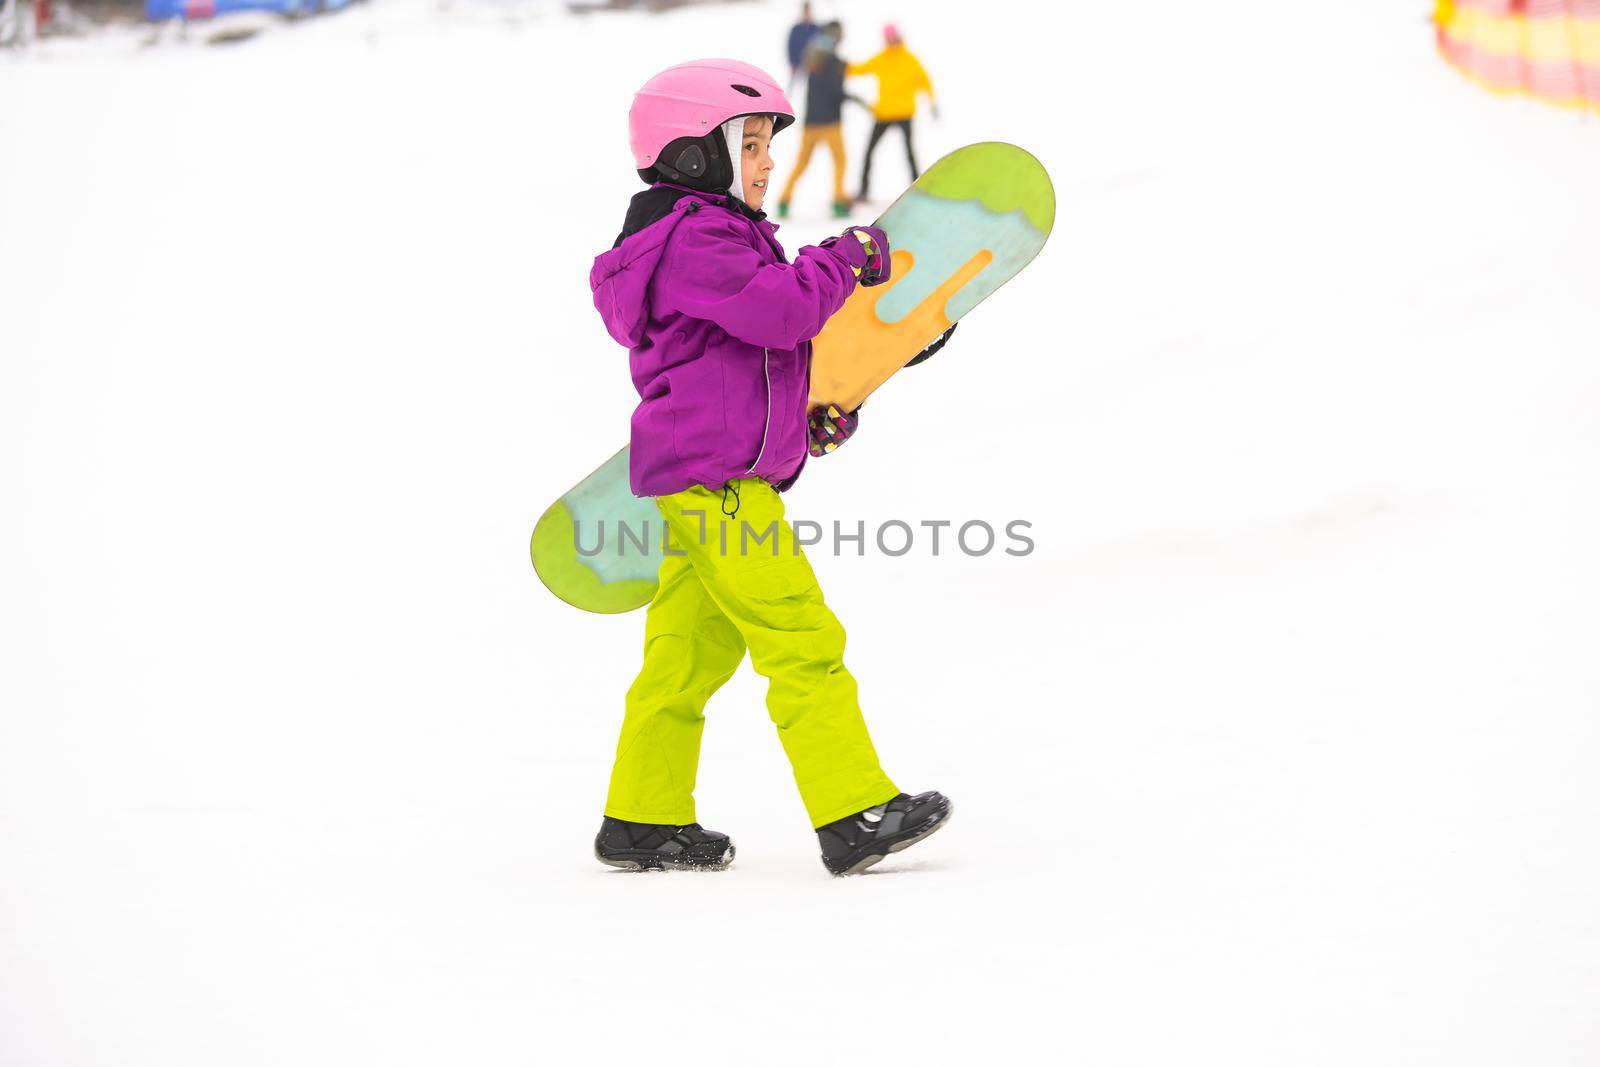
{"points": [[766, 372]]}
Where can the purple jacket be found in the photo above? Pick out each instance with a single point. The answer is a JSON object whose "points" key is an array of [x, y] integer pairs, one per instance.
{"points": [[719, 327]]}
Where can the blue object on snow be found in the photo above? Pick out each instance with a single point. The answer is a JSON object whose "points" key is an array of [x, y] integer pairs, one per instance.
{"points": [[161, 10]]}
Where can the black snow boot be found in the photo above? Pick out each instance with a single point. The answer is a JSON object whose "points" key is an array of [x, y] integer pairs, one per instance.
{"points": [[638, 846], [854, 843]]}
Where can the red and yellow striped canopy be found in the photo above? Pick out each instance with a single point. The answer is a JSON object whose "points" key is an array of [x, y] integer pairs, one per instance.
{"points": [[1549, 49]]}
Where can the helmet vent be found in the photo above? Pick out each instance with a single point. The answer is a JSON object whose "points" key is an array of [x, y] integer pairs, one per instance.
{"points": [[745, 89]]}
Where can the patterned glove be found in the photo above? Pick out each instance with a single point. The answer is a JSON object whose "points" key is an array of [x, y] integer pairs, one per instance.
{"points": [[829, 428], [866, 249], [876, 244]]}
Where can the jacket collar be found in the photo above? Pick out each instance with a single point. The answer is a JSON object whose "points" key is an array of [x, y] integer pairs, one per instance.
{"points": [[733, 204]]}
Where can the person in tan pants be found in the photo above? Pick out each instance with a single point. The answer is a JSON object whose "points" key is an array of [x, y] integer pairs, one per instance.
{"points": [[825, 98]]}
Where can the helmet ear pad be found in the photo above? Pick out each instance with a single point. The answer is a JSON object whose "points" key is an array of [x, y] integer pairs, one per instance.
{"points": [[696, 162], [691, 161]]}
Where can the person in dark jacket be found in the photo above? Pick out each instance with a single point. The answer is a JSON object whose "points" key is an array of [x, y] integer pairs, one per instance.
{"points": [[825, 97], [800, 35]]}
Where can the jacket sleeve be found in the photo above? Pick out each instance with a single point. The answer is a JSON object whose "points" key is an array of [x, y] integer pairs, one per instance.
{"points": [[869, 67], [799, 35], [712, 273]]}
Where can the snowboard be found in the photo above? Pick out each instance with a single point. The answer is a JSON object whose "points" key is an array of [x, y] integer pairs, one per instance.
{"points": [[967, 226]]}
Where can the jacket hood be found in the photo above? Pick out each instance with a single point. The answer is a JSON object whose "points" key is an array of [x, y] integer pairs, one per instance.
{"points": [[620, 278]]}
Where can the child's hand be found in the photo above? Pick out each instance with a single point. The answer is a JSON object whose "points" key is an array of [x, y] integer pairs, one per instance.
{"points": [[876, 244], [830, 428], [866, 248]]}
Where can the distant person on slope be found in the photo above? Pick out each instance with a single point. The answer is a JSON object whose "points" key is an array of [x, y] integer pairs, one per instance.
{"points": [[825, 97], [718, 323], [800, 35], [900, 77]]}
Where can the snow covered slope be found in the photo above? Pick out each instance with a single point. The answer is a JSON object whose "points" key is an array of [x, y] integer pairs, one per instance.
{"points": [[1279, 749]]}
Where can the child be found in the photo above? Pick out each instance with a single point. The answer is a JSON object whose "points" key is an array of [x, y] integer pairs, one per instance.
{"points": [[719, 325]]}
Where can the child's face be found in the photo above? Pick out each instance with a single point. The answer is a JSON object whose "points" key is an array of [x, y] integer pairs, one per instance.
{"points": [[754, 160]]}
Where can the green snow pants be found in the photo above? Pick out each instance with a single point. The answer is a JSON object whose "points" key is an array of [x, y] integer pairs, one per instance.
{"points": [[716, 598]]}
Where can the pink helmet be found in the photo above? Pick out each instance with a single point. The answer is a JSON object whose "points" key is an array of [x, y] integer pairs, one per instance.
{"points": [[690, 102]]}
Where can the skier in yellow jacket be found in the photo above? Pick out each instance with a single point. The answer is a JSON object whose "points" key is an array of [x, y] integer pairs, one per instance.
{"points": [[900, 77]]}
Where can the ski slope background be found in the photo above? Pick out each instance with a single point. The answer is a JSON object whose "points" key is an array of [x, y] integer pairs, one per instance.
{"points": [[1280, 748]]}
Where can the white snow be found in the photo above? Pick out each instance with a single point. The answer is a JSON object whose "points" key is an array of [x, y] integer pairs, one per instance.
{"points": [[1280, 749]]}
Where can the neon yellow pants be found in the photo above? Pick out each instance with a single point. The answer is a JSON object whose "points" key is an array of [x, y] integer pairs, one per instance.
{"points": [[718, 597]]}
